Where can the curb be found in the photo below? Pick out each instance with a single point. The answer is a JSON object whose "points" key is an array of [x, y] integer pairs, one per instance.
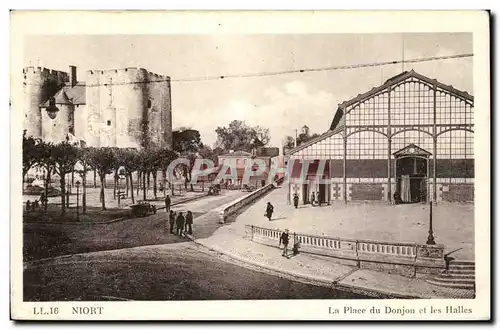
{"points": [[112, 220], [310, 279]]}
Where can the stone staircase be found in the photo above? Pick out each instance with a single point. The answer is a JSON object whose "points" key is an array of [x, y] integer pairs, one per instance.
{"points": [[459, 275]]}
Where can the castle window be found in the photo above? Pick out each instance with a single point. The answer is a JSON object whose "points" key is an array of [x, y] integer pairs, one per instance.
{"points": [[149, 104], [108, 122]]}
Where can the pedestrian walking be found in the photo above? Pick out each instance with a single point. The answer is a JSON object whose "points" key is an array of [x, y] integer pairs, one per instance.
{"points": [[35, 205], [189, 223], [318, 199], [296, 200], [180, 224], [313, 199], [269, 211], [171, 221], [28, 206], [284, 238], [167, 203]]}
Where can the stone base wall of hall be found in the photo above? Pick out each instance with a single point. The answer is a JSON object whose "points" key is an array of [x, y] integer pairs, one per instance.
{"points": [[376, 190]]}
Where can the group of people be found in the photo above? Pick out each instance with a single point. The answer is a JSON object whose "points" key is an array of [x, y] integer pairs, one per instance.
{"points": [[32, 206], [315, 199], [182, 224]]}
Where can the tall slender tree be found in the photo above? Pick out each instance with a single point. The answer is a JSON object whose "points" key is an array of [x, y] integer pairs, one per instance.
{"points": [[65, 156], [47, 162], [165, 157], [83, 167], [130, 159], [103, 160], [30, 153]]}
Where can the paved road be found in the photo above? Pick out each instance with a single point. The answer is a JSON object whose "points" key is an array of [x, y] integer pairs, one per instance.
{"points": [[49, 240], [168, 272]]}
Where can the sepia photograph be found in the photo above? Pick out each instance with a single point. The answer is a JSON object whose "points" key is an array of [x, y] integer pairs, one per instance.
{"points": [[214, 167]]}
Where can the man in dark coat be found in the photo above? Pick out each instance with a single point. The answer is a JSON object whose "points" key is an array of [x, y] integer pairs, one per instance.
{"points": [[171, 221], [269, 210], [189, 223], [284, 238], [296, 200], [167, 203], [180, 223]]}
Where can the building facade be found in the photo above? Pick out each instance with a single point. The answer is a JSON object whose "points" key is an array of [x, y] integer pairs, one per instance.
{"points": [[242, 160], [408, 140], [125, 108]]}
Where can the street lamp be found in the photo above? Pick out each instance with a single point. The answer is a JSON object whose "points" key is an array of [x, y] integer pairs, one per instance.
{"points": [[430, 238], [52, 110], [67, 195], [77, 183]]}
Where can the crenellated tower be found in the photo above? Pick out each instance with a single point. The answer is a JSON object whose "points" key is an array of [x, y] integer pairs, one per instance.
{"points": [[39, 84], [128, 108]]}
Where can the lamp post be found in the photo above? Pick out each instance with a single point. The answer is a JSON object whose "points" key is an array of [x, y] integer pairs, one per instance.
{"points": [[430, 238], [67, 195], [77, 183], [120, 178]]}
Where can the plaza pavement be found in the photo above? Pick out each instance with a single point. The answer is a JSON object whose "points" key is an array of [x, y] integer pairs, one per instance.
{"points": [[453, 223], [355, 220]]}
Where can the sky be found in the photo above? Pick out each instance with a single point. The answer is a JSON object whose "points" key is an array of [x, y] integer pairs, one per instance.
{"points": [[281, 103]]}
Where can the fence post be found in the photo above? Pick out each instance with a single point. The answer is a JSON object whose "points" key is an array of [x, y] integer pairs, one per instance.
{"points": [[252, 234], [357, 255]]}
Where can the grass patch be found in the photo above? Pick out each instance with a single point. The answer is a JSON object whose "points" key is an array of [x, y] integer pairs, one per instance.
{"points": [[93, 214]]}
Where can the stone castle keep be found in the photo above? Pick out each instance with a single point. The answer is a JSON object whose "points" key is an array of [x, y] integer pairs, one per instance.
{"points": [[125, 108]]}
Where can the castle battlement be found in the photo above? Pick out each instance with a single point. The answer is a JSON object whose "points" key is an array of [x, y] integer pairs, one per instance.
{"points": [[42, 70], [123, 75]]}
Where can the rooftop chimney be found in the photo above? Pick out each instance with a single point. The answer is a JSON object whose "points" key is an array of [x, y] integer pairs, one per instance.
{"points": [[72, 75]]}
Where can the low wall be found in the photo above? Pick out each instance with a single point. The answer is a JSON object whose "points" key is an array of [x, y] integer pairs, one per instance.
{"points": [[235, 206], [407, 259]]}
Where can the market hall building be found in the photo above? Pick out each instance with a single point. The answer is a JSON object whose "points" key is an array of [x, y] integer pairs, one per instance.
{"points": [[409, 140]]}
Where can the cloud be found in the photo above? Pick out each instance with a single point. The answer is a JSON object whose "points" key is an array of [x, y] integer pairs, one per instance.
{"points": [[296, 87]]}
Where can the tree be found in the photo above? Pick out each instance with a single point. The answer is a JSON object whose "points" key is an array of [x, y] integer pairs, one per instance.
{"points": [[186, 140], [130, 160], [103, 160], [206, 152], [289, 142], [165, 157], [239, 136], [83, 168], [30, 150], [305, 135], [154, 165], [116, 167], [65, 156], [146, 159], [46, 161]]}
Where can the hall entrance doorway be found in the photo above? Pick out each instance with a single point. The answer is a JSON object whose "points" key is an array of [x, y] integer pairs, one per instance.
{"points": [[411, 171], [322, 193], [305, 193]]}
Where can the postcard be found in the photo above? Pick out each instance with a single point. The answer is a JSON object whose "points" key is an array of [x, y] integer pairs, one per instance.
{"points": [[258, 165]]}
